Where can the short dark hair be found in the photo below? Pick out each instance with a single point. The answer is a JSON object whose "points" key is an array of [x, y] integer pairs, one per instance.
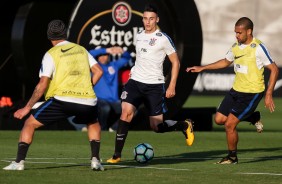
{"points": [[151, 8], [57, 30], [246, 22]]}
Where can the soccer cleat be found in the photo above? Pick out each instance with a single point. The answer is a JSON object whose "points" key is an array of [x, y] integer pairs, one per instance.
{"points": [[257, 122], [96, 165], [189, 133], [259, 126], [228, 160], [15, 166], [114, 160]]}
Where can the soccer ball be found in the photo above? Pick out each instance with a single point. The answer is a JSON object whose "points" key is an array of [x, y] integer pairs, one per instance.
{"points": [[143, 153]]}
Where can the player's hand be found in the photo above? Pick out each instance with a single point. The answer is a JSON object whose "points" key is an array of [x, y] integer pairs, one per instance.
{"points": [[269, 103], [194, 69], [170, 92], [19, 114]]}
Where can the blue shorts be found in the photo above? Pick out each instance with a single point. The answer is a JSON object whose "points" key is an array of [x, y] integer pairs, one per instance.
{"points": [[152, 95], [54, 110], [241, 105]]}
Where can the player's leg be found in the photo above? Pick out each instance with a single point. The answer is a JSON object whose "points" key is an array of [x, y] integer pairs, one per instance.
{"points": [[223, 117], [155, 103], [89, 115], [127, 114], [25, 139], [255, 119], [186, 127], [94, 136], [131, 98], [232, 140], [243, 106], [38, 118], [252, 116]]}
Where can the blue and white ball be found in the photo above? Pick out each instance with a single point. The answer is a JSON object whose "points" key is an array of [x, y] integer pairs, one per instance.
{"points": [[143, 153]]}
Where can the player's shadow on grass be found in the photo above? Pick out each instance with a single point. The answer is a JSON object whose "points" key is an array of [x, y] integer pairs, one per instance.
{"points": [[56, 166], [215, 154], [204, 156], [175, 159]]}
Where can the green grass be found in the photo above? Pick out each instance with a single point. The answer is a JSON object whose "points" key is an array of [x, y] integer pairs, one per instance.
{"points": [[63, 156]]}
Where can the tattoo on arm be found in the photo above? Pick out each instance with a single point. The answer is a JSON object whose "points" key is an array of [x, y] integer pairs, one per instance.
{"points": [[36, 95]]}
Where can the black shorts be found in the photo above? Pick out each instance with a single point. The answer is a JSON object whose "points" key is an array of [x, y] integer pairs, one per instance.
{"points": [[54, 110], [152, 95], [240, 104]]}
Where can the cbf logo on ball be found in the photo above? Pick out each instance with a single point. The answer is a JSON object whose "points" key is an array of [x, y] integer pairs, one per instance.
{"points": [[121, 13]]}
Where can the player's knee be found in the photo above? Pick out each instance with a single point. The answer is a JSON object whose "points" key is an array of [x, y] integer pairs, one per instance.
{"points": [[219, 120], [230, 127], [126, 116]]}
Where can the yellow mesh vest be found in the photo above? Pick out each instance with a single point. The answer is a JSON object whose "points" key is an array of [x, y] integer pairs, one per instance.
{"points": [[248, 78], [72, 77]]}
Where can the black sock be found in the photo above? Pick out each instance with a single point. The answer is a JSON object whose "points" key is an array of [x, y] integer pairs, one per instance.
{"points": [[22, 151], [253, 118], [95, 148], [232, 153], [121, 135], [171, 125]]}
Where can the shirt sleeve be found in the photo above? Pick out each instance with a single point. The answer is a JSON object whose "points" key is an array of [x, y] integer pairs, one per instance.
{"points": [[169, 47], [263, 55], [229, 55], [97, 52], [92, 60], [47, 66]]}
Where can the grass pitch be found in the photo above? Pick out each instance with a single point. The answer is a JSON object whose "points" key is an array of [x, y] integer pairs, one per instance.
{"points": [[64, 156]]}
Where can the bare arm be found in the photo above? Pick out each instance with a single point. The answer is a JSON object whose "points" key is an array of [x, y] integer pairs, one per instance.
{"points": [[97, 73], [268, 100], [170, 92], [36, 95], [223, 63]]}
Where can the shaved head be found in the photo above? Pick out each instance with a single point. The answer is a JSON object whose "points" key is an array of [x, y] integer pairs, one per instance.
{"points": [[245, 22]]}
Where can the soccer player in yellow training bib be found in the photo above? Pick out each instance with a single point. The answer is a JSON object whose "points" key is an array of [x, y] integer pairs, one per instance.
{"points": [[65, 79], [249, 56]]}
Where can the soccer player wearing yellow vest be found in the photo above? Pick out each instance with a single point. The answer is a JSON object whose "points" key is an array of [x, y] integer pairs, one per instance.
{"points": [[250, 56], [65, 79]]}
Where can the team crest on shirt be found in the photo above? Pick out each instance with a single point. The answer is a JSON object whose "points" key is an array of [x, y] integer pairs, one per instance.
{"points": [[111, 70], [123, 95], [253, 45], [159, 34], [152, 41]]}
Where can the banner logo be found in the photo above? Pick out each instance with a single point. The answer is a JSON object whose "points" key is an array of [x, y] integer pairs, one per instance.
{"points": [[121, 13]]}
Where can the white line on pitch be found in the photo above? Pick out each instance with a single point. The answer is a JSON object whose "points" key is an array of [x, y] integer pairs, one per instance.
{"points": [[121, 166], [149, 167], [157, 158], [271, 174]]}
